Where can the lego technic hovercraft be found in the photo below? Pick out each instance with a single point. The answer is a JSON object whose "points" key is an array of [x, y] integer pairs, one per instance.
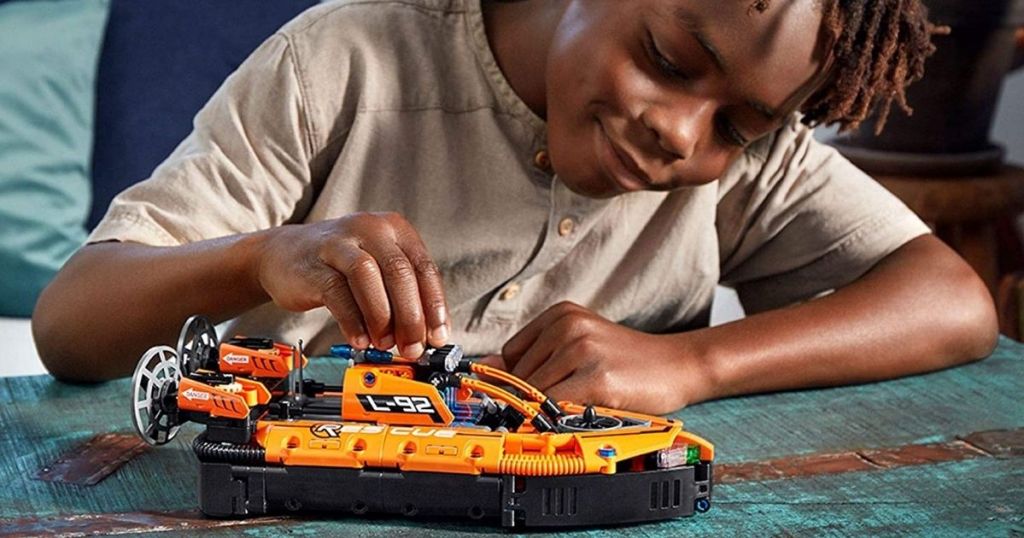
{"points": [[437, 436]]}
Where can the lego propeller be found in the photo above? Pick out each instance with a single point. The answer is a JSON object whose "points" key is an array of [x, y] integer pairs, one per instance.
{"points": [[154, 395], [589, 420], [198, 347]]}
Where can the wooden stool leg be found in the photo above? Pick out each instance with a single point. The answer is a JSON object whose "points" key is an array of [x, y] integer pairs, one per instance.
{"points": [[1008, 302]]}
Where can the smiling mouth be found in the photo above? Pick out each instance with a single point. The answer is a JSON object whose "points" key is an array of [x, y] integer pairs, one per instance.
{"points": [[619, 165]]}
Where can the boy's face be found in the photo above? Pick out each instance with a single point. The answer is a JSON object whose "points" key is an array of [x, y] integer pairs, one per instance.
{"points": [[661, 94]]}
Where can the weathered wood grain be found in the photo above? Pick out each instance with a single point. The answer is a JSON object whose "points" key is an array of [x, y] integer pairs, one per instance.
{"points": [[1011, 443], [89, 463], [986, 395], [109, 524], [998, 442]]}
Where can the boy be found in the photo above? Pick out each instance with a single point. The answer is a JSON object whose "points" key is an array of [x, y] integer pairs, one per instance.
{"points": [[581, 172]]}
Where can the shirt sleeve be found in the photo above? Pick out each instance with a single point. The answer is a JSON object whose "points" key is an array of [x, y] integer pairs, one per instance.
{"points": [[796, 219], [244, 167]]}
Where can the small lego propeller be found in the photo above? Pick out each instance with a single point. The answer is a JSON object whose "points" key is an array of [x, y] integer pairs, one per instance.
{"points": [[198, 347], [589, 420], [154, 395]]}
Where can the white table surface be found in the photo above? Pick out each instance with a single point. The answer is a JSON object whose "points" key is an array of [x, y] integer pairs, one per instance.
{"points": [[19, 355]]}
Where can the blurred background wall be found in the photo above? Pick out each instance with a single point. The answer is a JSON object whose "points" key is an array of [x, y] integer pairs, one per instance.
{"points": [[1009, 127]]}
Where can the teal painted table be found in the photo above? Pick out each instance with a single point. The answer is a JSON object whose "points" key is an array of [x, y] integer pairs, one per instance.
{"points": [[880, 459]]}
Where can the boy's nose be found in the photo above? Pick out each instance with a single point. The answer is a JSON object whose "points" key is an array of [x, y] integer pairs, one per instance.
{"points": [[678, 128]]}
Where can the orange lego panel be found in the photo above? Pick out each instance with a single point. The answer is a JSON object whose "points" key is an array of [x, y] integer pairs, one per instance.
{"points": [[377, 394], [265, 363], [259, 393], [319, 444], [228, 401], [455, 450]]}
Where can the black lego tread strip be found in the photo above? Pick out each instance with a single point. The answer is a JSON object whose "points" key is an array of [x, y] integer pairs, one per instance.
{"points": [[228, 490]]}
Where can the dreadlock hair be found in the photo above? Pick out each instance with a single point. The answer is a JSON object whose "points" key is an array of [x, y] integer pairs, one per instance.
{"points": [[879, 48]]}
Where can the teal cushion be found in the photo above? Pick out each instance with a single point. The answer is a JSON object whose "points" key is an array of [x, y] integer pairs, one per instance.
{"points": [[49, 50]]}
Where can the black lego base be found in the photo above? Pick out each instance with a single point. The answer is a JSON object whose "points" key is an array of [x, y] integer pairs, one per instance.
{"points": [[231, 490]]}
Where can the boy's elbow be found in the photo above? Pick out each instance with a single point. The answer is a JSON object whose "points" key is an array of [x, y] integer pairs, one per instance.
{"points": [[46, 336], [52, 334], [975, 319], [62, 363], [983, 337]]}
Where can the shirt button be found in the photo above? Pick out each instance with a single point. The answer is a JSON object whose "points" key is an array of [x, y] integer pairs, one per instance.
{"points": [[566, 227], [542, 160], [510, 292]]}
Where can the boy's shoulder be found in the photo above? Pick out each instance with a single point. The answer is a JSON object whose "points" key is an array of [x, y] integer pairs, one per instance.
{"points": [[348, 15], [788, 153], [390, 55], [792, 133]]}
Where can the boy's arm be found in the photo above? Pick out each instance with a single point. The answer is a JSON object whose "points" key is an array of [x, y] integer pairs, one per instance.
{"points": [[921, 308], [114, 300]]}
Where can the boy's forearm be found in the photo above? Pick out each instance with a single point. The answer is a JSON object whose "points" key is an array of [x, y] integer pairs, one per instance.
{"points": [[112, 301], [920, 309]]}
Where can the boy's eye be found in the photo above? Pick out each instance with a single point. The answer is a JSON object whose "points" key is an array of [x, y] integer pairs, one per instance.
{"points": [[729, 133], [664, 64]]}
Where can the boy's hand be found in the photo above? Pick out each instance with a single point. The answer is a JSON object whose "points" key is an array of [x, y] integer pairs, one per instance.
{"points": [[371, 270], [571, 353]]}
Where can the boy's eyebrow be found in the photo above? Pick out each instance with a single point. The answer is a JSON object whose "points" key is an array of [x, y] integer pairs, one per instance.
{"points": [[691, 25], [688, 23]]}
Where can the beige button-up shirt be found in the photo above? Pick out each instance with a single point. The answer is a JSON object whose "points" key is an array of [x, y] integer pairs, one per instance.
{"points": [[378, 105]]}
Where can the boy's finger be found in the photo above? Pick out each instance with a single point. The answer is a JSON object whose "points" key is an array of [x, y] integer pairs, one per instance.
{"points": [[516, 346], [553, 371], [339, 301], [431, 287], [404, 294], [539, 353], [362, 273], [574, 388]]}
